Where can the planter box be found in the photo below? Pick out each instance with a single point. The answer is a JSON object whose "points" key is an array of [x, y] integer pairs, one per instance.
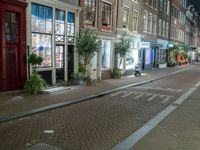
{"points": [[162, 65]]}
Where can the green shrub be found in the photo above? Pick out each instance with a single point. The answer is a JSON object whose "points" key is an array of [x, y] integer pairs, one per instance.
{"points": [[171, 63], [116, 73], [34, 85], [81, 76], [82, 68]]}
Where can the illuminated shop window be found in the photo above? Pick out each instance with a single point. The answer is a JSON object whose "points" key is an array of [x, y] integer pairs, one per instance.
{"points": [[105, 53], [59, 26], [42, 17]]}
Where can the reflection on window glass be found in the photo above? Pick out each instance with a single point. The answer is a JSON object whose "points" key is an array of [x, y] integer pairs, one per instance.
{"points": [[125, 17], [106, 14], [59, 22], [59, 56], [11, 26], [41, 18], [41, 45], [70, 27]]}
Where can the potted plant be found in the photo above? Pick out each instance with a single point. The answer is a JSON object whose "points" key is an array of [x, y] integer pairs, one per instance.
{"points": [[87, 44], [35, 84], [122, 48]]}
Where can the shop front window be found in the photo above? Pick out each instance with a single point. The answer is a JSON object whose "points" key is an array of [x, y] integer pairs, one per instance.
{"points": [[59, 56], [70, 27], [42, 17], [60, 26], [105, 53], [41, 45]]}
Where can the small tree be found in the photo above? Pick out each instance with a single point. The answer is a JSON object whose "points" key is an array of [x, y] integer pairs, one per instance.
{"points": [[122, 47], [87, 43], [35, 83]]}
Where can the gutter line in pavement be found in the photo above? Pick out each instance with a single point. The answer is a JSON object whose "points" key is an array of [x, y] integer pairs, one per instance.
{"points": [[18, 115]]}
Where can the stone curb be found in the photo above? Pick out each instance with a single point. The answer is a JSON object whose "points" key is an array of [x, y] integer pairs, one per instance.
{"points": [[18, 115]]}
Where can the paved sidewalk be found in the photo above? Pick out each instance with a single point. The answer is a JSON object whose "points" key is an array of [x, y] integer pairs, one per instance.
{"points": [[179, 131], [18, 102]]}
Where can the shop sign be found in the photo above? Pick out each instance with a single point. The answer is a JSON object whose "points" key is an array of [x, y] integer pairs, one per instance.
{"points": [[144, 44]]}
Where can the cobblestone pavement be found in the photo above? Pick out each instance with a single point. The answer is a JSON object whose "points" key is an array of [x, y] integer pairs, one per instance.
{"points": [[15, 102], [179, 131], [98, 124]]}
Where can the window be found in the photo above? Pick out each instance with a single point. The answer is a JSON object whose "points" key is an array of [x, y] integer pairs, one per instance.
{"points": [[59, 26], [167, 29], [70, 27], [160, 27], [135, 20], [106, 14], [89, 12], [155, 4], [150, 23], [154, 24], [42, 17], [145, 21], [59, 56], [151, 2], [11, 25], [163, 28], [41, 45], [125, 17], [106, 53], [161, 5]]}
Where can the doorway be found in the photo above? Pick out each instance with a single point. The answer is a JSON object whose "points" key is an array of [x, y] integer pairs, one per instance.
{"points": [[70, 61], [59, 63], [12, 45]]}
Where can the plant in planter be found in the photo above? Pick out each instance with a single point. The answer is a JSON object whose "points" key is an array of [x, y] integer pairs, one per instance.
{"points": [[81, 77], [122, 48], [171, 63], [35, 84], [116, 73], [87, 44]]}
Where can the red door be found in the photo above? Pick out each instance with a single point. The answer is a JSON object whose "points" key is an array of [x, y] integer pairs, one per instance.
{"points": [[12, 47], [12, 57]]}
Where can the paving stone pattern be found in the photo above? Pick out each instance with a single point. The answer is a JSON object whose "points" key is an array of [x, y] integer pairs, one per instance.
{"points": [[179, 131], [99, 124]]}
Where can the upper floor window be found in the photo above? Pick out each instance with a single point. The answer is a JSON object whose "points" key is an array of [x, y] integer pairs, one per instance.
{"points": [[59, 25], [154, 24], [70, 26], [145, 21], [106, 14], [150, 23], [135, 20], [89, 11], [125, 17], [136, 1], [42, 17]]}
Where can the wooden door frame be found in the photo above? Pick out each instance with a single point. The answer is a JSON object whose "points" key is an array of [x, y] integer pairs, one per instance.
{"points": [[20, 8]]}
